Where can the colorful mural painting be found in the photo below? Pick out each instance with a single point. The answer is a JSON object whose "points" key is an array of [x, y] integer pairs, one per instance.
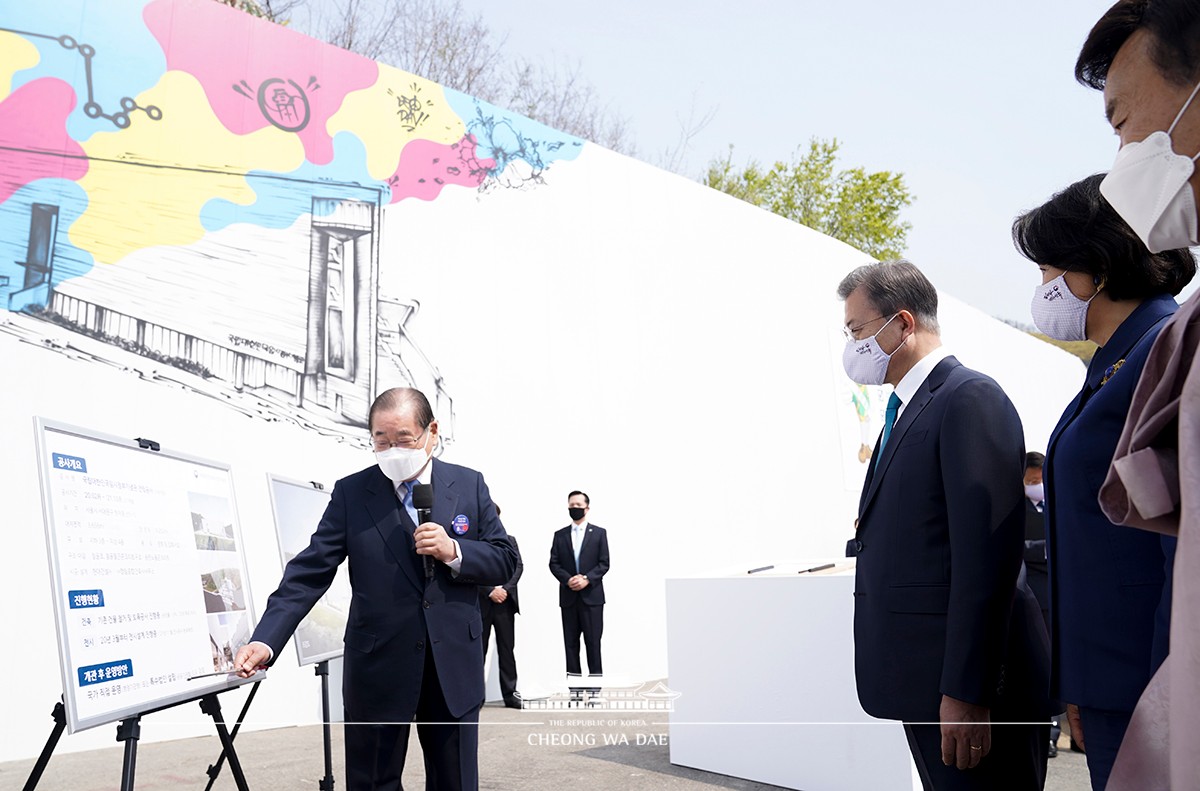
{"points": [[217, 209]]}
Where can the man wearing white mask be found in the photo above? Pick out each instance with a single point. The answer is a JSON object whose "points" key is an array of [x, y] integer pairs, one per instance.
{"points": [[1145, 56], [1036, 572], [1035, 533], [944, 638], [413, 647]]}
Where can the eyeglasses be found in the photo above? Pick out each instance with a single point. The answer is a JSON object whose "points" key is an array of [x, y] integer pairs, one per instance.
{"points": [[849, 332], [408, 443]]}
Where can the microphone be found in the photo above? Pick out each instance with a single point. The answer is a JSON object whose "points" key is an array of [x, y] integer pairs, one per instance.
{"points": [[422, 495]]}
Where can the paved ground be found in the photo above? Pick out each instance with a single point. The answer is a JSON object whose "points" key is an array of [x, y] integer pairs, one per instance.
{"points": [[291, 758]]}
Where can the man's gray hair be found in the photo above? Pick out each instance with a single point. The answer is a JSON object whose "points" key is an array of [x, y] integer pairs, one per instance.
{"points": [[893, 286], [402, 399]]}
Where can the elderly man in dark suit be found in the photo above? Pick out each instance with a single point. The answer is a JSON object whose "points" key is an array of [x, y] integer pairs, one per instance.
{"points": [[413, 648], [579, 561], [944, 638]]}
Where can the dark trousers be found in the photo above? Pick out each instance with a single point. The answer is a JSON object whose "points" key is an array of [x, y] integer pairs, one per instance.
{"points": [[375, 753], [587, 621], [1017, 761], [1102, 735], [502, 618], [1039, 583]]}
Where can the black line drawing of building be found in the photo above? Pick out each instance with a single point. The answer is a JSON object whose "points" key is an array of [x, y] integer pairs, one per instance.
{"points": [[354, 341]]}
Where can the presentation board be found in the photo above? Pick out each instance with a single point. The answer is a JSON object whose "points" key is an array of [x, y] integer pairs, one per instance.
{"points": [[151, 595], [298, 506]]}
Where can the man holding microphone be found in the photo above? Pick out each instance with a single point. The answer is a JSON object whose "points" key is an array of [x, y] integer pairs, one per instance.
{"points": [[413, 648]]}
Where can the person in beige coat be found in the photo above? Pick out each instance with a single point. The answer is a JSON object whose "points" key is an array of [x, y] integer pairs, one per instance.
{"points": [[1145, 56]]}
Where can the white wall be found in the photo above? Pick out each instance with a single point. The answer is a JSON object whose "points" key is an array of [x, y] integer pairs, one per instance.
{"points": [[676, 354], [667, 349]]}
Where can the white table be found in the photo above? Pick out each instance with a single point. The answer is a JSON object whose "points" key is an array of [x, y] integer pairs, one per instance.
{"points": [[764, 667]]}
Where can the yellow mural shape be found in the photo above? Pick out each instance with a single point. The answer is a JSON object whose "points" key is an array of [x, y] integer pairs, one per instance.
{"points": [[147, 184], [398, 108], [16, 54]]}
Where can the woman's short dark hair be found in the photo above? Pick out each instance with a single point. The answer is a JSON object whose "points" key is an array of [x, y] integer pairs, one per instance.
{"points": [[1077, 230]]}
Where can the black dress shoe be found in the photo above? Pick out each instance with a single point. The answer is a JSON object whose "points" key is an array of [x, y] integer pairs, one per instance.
{"points": [[512, 703], [1053, 751]]}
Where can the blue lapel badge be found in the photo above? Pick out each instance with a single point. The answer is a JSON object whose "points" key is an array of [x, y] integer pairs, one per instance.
{"points": [[1111, 371], [461, 524]]}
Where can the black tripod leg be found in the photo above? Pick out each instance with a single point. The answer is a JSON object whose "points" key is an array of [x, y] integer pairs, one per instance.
{"points": [[215, 769], [60, 724], [326, 783], [211, 706], [129, 731]]}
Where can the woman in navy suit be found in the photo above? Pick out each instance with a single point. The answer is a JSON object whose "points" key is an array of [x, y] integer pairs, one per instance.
{"points": [[1109, 585]]}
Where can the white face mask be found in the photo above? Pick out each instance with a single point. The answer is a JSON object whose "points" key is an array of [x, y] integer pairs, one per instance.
{"points": [[865, 362], [1059, 313], [1035, 492], [1148, 186], [401, 464]]}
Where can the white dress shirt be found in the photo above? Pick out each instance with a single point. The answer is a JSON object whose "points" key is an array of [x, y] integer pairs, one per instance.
{"points": [[916, 376], [577, 533]]}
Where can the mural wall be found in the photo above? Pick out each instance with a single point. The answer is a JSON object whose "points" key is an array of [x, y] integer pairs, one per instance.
{"points": [[246, 185], [224, 236]]}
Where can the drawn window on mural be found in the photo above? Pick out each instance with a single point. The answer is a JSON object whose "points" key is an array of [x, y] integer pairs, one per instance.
{"points": [[335, 352], [341, 256], [39, 258]]}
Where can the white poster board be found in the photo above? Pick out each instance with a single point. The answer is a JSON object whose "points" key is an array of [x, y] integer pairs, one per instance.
{"points": [[298, 507], [149, 582]]}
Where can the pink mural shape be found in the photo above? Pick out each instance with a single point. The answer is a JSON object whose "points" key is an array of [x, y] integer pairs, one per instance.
{"points": [[33, 136], [287, 80], [425, 167]]}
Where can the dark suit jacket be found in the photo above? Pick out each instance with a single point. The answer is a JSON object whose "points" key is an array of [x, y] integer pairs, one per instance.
{"points": [[940, 538], [511, 602], [593, 564], [393, 610], [1035, 555], [1109, 585]]}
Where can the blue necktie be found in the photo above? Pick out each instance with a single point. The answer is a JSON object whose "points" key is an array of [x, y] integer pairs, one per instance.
{"points": [[408, 501], [889, 420]]}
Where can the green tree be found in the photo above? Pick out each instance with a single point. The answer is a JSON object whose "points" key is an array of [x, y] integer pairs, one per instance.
{"points": [[861, 209], [1084, 350]]}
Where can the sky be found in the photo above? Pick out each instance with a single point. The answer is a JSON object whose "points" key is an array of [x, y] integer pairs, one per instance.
{"points": [[975, 103]]}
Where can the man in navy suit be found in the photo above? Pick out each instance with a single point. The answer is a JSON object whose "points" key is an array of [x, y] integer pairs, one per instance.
{"points": [[413, 647], [579, 561], [945, 640], [1036, 569], [499, 606]]}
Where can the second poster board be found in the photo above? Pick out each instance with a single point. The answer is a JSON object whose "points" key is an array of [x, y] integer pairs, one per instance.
{"points": [[298, 507]]}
